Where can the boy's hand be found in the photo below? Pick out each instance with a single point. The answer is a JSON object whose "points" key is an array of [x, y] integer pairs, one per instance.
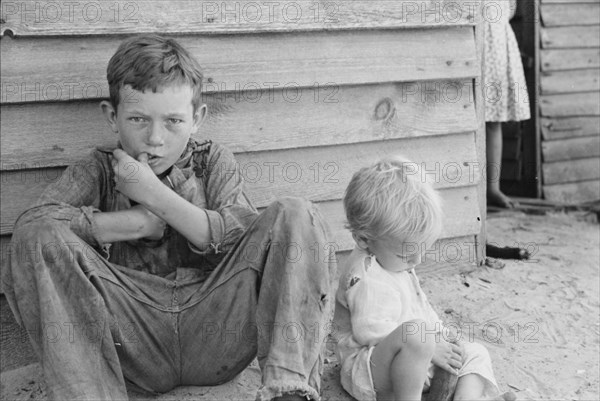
{"points": [[134, 178], [153, 227], [448, 356]]}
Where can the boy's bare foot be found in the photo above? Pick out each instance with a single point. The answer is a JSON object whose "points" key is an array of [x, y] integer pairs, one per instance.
{"points": [[497, 198], [290, 397]]}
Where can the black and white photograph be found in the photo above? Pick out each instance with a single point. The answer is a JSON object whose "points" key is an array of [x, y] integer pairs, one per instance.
{"points": [[287, 200]]}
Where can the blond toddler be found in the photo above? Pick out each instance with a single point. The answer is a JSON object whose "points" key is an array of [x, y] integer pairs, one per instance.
{"points": [[389, 338]]}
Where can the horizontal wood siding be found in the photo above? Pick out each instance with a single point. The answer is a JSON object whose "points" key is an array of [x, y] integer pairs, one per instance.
{"points": [[303, 105], [58, 133], [570, 127], [320, 173], [565, 14], [570, 100], [569, 59], [587, 80], [50, 18], [261, 61]]}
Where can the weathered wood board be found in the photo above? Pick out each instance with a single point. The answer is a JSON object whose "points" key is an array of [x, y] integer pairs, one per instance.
{"points": [[320, 173], [564, 14], [72, 71], [59, 133], [571, 104], [553, 82], [571, 171], [51, 18], [569, 127], [570, 149], [570, 36], [569, 59], [574, 192]]}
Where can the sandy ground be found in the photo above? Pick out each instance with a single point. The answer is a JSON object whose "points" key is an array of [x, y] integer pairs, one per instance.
{"points": [[539, 318]]}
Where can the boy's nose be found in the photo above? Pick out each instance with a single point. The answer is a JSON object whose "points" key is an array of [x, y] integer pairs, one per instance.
{"points": [[156, 135]]}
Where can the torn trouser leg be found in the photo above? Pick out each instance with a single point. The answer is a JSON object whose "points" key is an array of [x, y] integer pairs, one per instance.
{"points": [[271, 294]]}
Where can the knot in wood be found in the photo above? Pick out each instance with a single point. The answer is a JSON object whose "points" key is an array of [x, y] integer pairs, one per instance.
{"points": [[384, 109]]}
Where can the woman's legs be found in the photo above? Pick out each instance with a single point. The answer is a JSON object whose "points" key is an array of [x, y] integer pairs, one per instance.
{"points": [[494, 166]]}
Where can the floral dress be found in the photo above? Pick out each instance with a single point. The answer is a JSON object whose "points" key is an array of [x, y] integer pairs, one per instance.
{"points": [[505, 90]]}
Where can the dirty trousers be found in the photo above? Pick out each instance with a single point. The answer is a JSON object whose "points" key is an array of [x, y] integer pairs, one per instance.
{"points": [[96, 325]]}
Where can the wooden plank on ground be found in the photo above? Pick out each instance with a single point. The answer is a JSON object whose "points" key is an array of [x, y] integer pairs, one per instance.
{"points": [[51, 69], [570, 14], [317, 173], [60, 133], [569, 59], [570, 36], [570, 105], [553, 82], [571, 171], [568, 1], [45, 18], [569, 149], [575, 192], [570, 127]]}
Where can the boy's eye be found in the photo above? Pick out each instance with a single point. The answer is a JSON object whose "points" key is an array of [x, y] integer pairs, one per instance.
{"points": [[175, 121], [136, 119]]}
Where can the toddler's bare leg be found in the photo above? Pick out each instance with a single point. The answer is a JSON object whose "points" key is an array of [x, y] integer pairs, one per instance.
{"points": [[470, 387], [400, 361]]}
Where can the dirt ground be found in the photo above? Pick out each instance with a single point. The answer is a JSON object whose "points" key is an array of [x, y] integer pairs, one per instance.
{"points": [[540, 319]]}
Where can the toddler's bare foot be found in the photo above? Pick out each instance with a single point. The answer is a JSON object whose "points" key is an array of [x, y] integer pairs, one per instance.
{"points": [[508, 396], [497, 198]]}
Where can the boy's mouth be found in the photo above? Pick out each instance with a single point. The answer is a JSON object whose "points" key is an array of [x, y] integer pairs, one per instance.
{"points": [[152, 157]]}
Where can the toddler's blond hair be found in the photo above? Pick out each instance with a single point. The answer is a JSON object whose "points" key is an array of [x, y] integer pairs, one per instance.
{"points": [[389, 200]]}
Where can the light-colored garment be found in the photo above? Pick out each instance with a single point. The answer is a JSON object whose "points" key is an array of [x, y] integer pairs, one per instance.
{"points": [[371, 302], [505, 90]]}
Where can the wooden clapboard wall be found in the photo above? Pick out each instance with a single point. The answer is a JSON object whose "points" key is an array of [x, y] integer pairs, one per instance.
{"points": [[570, 99], [304, 93]]}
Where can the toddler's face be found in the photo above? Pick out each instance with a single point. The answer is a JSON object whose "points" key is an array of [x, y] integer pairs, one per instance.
{"points": [[159, 124], [395, 256]]}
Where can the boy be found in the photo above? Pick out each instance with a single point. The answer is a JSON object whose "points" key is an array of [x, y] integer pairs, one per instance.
{"points": [[154, 264]]}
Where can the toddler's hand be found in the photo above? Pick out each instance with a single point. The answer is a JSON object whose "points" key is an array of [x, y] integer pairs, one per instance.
{"points": [[448, 356]]}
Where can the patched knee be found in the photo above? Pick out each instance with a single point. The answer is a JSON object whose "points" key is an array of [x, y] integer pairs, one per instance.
{"points": [[293, 204], [296, 211]]}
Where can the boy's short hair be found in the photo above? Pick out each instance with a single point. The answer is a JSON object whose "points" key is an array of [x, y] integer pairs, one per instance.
{"points": [[388, 200], [152, 62]]}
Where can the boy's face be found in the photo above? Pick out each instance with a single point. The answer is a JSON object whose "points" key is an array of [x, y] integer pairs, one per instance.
{"points": [[395, 256], [158, 124]]}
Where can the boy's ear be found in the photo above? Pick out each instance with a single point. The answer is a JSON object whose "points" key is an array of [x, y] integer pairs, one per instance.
{"points": [[110, 114], [199, 116], [361, 242]]}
